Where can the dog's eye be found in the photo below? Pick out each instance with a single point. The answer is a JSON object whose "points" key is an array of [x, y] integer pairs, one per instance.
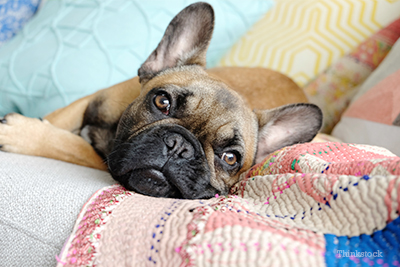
{"points": [[162, 103], [229, 158]]}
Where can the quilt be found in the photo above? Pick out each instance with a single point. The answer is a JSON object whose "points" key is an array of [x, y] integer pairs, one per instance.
{"points": [[315, 204]]}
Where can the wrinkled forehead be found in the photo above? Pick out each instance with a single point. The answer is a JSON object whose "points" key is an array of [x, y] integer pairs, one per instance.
{"points": [[184, 77], [209, 102], [193, 85]]}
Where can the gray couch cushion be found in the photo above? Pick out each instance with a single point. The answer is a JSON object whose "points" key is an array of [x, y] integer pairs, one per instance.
{"points": [[41, 199]]}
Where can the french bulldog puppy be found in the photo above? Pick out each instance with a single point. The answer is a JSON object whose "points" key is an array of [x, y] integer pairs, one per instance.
{"points": [[177, 130]]}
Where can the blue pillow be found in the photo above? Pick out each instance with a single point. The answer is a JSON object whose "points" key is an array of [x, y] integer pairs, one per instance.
{"points": [[73, 48], [13, 15]]}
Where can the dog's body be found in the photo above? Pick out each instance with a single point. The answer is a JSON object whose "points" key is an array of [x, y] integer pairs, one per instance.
{"points": [[176, 130]]}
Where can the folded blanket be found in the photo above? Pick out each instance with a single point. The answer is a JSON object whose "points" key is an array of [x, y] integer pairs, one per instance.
{"points": [[317, 204]]}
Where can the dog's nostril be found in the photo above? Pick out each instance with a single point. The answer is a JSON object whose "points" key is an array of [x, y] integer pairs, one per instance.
{"points": [[169, 142], [186, 153]]}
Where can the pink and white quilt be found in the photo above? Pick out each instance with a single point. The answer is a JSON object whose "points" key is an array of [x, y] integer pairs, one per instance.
{"points": [[315, 204]]}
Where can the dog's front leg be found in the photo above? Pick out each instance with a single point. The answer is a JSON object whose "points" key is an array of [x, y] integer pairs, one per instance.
{"points": [[23, 135]]}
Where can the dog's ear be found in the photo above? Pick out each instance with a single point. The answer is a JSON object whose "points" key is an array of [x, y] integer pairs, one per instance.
{"points": [[285, 126], [185, 41]]}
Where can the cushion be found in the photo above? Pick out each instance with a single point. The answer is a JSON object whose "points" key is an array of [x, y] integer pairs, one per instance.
{"points": [[41, 200], [374, 115], [390, 65], [335, 87], [302, 38], [315, 204], [14, 15], [73, 48]]}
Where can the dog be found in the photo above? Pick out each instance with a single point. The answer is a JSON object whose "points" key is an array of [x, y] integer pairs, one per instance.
{"points": [[176, 130]]}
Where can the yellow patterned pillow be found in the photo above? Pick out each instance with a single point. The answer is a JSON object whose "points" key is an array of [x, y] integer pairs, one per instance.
{"points": [[303, 38]]}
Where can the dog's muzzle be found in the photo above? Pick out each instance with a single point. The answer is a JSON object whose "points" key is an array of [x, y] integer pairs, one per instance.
{"points": [[163, 161]]}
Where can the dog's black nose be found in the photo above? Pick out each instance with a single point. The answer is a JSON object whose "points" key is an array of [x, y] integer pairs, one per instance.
{"points": [[179, 146], [163, 161]]}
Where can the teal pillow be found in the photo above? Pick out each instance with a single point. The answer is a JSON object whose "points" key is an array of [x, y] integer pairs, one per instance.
{"points": [[73, 48]]}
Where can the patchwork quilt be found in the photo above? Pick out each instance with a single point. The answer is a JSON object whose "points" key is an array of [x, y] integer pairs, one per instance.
{"points": [[315, 204]]}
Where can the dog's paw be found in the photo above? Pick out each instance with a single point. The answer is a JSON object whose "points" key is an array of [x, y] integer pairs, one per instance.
{"points": [[19, 134]]}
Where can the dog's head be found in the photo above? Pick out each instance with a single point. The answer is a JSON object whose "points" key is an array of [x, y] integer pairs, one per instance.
{"points": [[189, 135]]}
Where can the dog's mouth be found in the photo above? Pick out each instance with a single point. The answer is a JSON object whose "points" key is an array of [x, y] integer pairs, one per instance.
{"points": [[163, 161], [149, 182]]}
